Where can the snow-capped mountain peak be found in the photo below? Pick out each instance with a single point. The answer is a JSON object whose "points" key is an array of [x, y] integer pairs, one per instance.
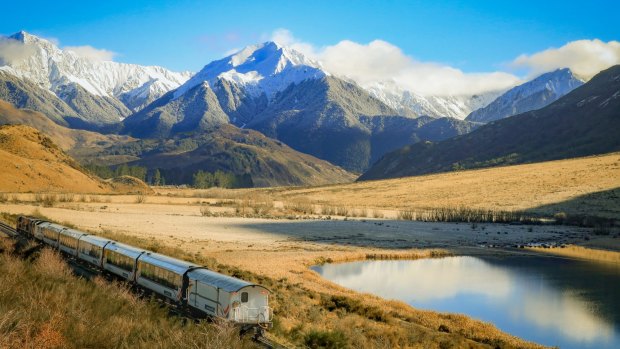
{"points": [[55, 69], [531, 95], [262, 68]]}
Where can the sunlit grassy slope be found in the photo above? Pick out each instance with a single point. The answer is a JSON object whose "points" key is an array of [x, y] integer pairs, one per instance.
{"points": [[589, 185]]}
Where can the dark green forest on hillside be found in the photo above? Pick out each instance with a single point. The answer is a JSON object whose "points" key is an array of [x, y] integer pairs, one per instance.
{"points": [[198, 179]]}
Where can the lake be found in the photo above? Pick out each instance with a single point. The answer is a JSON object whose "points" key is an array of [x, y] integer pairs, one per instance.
{"points": [[551, 301]]}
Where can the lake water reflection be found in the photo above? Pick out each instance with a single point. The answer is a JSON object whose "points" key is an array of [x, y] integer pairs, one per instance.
{"points": [[552, 301]]}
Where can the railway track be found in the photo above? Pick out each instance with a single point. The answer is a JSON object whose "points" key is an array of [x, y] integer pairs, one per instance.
{"points": [[86, 272], [269, 344], [8, 230]]}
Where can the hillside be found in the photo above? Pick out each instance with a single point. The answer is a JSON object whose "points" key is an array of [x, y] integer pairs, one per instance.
{"points": [[532, 95], [587, 186], [230, 149], [584, 122], [287, 96], [340, 122], [26, 94], [32, 162], [82, 145]]}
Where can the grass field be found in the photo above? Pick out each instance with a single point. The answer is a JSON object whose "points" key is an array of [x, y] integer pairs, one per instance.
{"points": [[43, 305], [587, 185]]}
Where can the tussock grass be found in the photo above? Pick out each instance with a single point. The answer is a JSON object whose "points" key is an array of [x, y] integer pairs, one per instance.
{"points": [[342, 211], [140, 199], [47, 200], [4, 197], [466, 214], [582, 253], [42, 305], [205, 211], [66, 197], [300, 205]]}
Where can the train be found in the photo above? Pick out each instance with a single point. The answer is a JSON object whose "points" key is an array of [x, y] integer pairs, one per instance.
{"points": [[192, 287]]}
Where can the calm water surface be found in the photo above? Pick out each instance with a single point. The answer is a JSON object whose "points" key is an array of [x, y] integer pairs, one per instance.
{"points": [[552, 301]]}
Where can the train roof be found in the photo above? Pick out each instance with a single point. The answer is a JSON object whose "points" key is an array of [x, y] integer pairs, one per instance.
{"points": [[225, 282], [175, 265], [124, 249], [73, 233], [53, 226], [95, 240]]}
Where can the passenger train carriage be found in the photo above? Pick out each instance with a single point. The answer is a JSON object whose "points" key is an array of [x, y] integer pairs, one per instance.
{"points": [[194, 287]]}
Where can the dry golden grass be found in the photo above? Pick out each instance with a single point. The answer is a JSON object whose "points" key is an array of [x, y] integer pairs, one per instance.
{"points": [[303, 302], [582, 253], [42, 305], [578, 186]]}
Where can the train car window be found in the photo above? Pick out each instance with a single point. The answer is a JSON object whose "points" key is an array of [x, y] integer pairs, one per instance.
{"points": [[159, 275], [118, 260], [244, 297]]}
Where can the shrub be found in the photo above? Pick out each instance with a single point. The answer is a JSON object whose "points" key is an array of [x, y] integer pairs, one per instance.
{"points": [[407, 215], [48, 200], [140, 199], [328, 210], [350, 305], [205, 211], [300, 206], [66, 197], [325, 339], [342, 211], [377, 214]]}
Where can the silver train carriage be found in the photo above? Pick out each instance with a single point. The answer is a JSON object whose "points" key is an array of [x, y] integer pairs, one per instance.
{"points": [[200, 289]]}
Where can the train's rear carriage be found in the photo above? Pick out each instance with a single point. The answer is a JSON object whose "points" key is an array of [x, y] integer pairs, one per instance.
{"points": [[162, 274], [121, 259], [228, 297], [68, 241], [90, 249], [49, 232]]}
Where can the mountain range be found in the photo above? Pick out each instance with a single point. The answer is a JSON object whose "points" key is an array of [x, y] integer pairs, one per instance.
{"points": [[583, 122], [532, 95], [100, 92], [283, 94], [269, 88]]}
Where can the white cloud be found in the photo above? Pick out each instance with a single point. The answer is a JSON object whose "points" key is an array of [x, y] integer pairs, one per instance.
{"points": [[12, 50], [584, 57], [90, 52], [379, 61]]}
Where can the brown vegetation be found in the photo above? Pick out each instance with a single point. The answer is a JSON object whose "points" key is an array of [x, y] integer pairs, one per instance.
{"points": [[581, 252], [33, 163], [42, 305], [581, 186]]}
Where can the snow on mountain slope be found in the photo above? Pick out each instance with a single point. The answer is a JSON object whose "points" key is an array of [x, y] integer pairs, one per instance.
{"points": [[263, 68], [53, 69], [532, 95], [414, 104], [270, 68]]}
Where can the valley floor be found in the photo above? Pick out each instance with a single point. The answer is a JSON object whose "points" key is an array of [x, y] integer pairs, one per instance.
{"points": [[283, 249], [275, 235]]}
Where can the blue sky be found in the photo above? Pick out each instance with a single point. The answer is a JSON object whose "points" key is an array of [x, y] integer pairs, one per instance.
{"points": [[476, 36]]}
